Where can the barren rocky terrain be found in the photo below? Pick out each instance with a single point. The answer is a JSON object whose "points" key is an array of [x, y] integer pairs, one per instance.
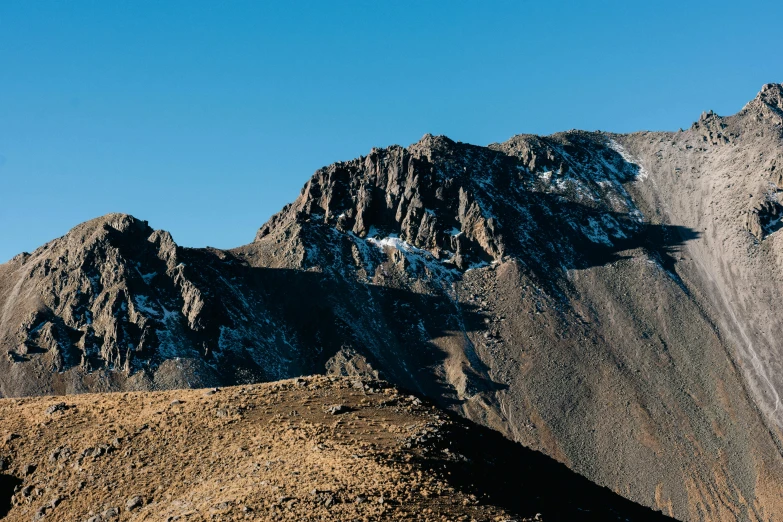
{"points": [[609, 300], [304, 449]]}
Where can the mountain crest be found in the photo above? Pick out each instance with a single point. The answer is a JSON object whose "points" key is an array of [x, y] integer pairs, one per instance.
{"points": [[611, 300], [466, 205], [772, 95], [767, 105]]}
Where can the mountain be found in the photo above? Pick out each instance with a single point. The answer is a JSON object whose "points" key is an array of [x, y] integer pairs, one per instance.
{"points": [[330, 450], [609, 300]]}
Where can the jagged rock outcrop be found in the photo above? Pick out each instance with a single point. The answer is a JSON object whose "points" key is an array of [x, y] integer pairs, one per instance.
{"points": [[424, 201], [610, 300], [115, 303], [445, 198]]}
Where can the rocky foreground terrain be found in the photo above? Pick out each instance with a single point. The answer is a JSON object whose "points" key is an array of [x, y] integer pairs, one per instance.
{"points": [[609, 300], [305, 449]]}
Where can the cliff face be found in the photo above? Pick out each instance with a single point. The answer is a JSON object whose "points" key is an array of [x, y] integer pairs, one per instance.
{"points": [[467, 205], [114, 304], [610, 300]]}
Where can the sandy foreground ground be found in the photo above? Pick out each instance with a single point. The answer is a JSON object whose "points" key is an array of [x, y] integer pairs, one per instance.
{"points": [[314, 448]]}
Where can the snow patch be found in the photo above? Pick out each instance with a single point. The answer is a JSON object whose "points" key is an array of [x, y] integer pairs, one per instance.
{"points": [[642, 174], [143, 305], [595, 233], [417, 258]]}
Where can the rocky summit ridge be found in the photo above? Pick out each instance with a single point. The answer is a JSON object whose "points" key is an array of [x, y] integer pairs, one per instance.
{"points": [[610, 300]]}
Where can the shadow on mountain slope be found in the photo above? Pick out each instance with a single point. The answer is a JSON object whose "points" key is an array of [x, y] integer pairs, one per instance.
{"points": [[524, 481], [395, 329], [271, 323], [662, 242], [584, 237], [7, 485], [411, 335]]}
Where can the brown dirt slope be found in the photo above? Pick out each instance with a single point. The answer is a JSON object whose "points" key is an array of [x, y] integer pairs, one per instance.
{"points": [[277, 452]]}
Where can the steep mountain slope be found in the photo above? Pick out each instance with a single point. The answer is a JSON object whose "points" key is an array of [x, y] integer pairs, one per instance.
{"points": [[722, 177], [309, 449], [606, 299], [116, 304]]}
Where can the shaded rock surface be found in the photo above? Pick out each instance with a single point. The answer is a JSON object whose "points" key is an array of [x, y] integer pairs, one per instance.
{"points": [[610, 300]]}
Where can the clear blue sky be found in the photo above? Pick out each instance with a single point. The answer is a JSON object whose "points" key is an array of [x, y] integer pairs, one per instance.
{"points": [[206, 117]]}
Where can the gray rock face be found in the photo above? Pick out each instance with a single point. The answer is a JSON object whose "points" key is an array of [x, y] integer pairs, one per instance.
{"points": [[610, 300], [449, 199], [114, 304]]}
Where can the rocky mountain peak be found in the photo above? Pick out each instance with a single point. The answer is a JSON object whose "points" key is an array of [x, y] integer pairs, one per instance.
{"points": [[767, 105], [123, 223], [466, 205], [425, 195], [108, 294], [611, 300], [772, 95]]}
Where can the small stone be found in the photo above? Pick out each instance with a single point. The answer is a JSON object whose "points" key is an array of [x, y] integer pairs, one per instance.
{"points": [[175, 402], [134, 503], [222, 412], [54, 408], [3, 464], [336, 409], [29, 469], [111, 514], [12, 436]]}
